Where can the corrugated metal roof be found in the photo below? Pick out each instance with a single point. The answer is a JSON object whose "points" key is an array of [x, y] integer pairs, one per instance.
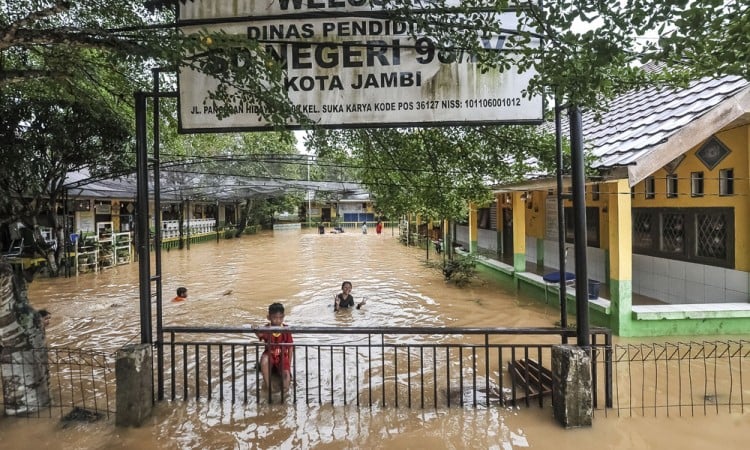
{"points": [[177, 186]]}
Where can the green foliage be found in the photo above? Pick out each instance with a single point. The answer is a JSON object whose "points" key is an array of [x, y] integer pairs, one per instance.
{"points": [[42, 140], [435, 171], [460, 270]]}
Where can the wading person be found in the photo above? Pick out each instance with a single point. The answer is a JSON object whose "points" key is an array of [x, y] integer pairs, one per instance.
{"points": [[181, 294], [345, 299], [277, 357], [46, 317]]}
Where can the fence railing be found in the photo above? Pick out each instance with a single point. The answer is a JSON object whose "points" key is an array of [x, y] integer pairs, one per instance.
{"points": [[393, 367], [81, 383], [397, 367], [681, 378]]}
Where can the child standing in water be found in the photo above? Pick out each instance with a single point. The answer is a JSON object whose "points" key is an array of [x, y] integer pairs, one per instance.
{"points": [[364, 227], [278, 355], [345, 299]]}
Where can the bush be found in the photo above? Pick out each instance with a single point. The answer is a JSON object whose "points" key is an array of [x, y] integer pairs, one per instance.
{"points": [[460, 270]]}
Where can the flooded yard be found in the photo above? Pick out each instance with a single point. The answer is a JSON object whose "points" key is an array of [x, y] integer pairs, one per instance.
{"points": [[232, 282]]}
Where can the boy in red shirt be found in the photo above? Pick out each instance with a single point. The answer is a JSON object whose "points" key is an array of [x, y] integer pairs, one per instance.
{"points": [[277, 357]]}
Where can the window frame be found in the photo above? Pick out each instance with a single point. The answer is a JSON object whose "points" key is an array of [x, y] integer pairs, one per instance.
{"points": [[726, 183], [649, 187], [673, 185], [697, 184], [652, 241]]}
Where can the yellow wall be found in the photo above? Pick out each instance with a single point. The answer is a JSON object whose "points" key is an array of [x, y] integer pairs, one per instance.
{"points": [[736, 140], [535, 213]]}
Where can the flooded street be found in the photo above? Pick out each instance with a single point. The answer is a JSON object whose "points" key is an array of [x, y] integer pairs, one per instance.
{"points": [[232, 282]]}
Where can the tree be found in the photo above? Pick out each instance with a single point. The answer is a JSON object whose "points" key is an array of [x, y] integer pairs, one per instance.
{"points": [[43, 140], [435, 171]]}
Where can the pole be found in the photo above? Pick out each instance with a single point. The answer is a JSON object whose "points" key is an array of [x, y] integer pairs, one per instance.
{"points": [[309, 200], [579, 214], [157, 243], [144, 269], [561, 222]]}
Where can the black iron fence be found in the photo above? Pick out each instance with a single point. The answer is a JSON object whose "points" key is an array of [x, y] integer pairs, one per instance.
{"points": [[396, 367], [387, 367], [81, 383], [681, 378]]}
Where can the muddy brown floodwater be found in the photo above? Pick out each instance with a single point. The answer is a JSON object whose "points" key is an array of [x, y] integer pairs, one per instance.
{"points": [[231, 283]]}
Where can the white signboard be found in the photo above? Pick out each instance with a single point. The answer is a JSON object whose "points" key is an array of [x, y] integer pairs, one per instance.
{"points": [[551, 231], [85, 221], [356, 70]]}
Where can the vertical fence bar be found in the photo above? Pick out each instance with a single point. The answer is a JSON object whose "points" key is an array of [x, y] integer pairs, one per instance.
{"points": [[594, 372], [512, 378], [526, 375], [434, 376], [320, 382], [408, 376], [221, 373], [448, 374], [356, 368], [257, 373], [244, 373], [184, 372], [500, 381], [172, 364], [197, 372], [343, 350], [208, 370], [421, 375], [487, 369], [307, 373], [332, 373], [540, 380], [395, 375], [382, 366], [474, 375], [369, 369], [461, 374], [608, 369]]}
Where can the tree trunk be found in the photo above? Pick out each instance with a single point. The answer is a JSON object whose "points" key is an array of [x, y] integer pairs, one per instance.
{"points": [[180, 227], [23, 357], [244, 213]]}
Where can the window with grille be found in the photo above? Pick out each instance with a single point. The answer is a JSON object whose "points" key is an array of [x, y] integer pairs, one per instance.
{"points": [[712, 235], [673, 233], [592, 226], [700, 235], [696, 184], [650, 187], [672, 185], [726, 182], [643, 237]]}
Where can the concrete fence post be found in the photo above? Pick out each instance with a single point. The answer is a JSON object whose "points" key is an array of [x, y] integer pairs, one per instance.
{"points": [[571, 386], [135, 380]]}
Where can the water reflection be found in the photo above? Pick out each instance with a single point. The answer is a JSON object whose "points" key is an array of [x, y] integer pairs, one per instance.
{"points": [[304, 271]]}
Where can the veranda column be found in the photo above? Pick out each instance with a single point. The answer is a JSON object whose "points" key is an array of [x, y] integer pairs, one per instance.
{"points": [[620, 257], [499, 224], [519, 232], [473, 228]]}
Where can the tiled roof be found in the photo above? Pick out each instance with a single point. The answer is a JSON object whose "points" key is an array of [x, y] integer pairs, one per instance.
{"points": [[637, 122]]}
